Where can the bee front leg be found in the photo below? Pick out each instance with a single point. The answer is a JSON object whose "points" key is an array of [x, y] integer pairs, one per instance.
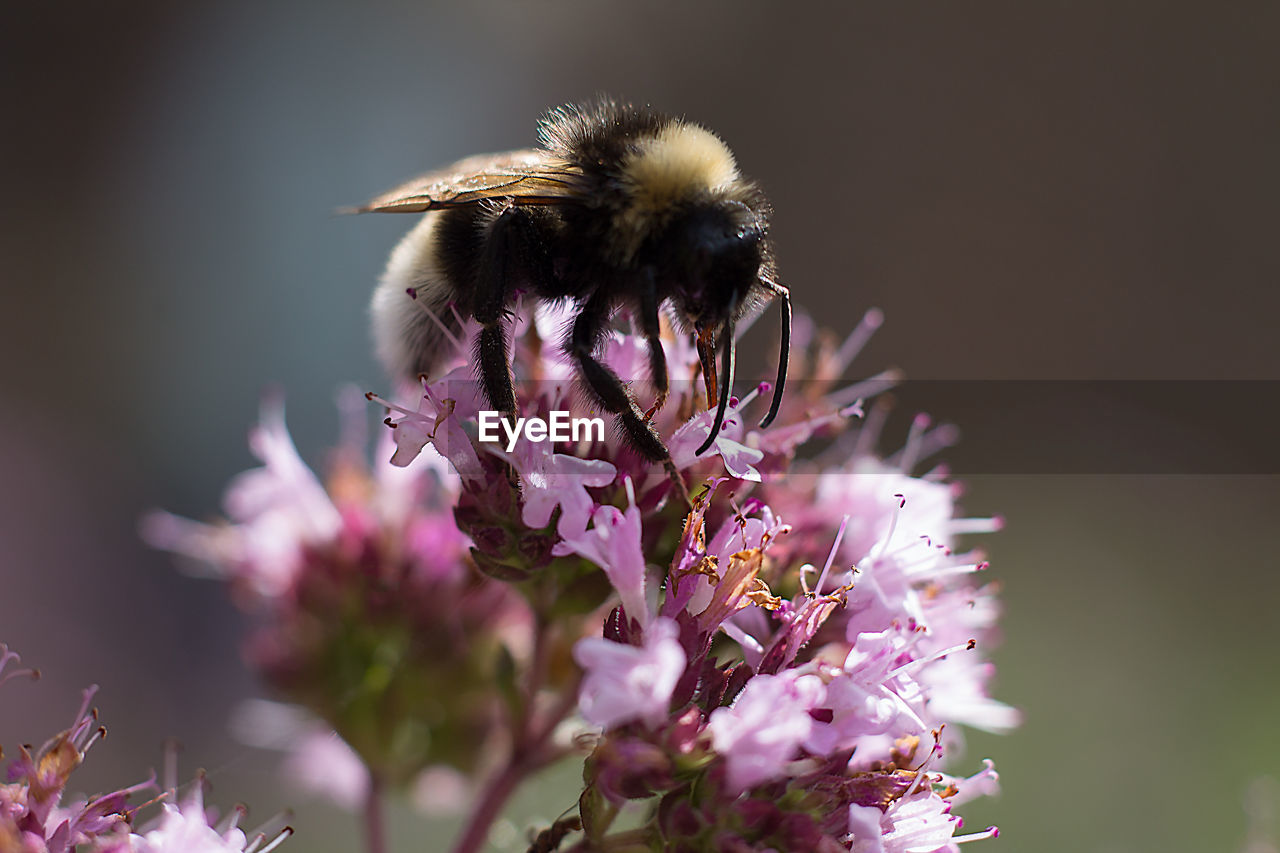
{"points": [[657, 356]]}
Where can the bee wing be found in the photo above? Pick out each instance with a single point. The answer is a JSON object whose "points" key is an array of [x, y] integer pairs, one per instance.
{"points": [[528, 177]]}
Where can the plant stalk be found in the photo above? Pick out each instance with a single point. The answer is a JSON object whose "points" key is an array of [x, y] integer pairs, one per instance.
{"points": [[375, 829]]}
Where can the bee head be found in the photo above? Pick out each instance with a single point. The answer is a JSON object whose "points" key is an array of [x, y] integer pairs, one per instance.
{"points": [[712, 263]]}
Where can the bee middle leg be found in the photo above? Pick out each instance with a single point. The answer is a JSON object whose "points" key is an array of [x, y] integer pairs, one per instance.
{"points": [[657, 356], [611, 394]]}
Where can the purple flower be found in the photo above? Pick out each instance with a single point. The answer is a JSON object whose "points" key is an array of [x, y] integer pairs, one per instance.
{"points": [[870, 696], [956, 687], [278, 511], [761, 732], [34, 818], [984, 783], [384, 583], [871, 493], [558, 480], [284, 486], [714, 581], [920, 822], [31, 807], [436, 421], [186, 828], [739, 459], [623, 683], [316, 760], [753, 699], [613, 544]]}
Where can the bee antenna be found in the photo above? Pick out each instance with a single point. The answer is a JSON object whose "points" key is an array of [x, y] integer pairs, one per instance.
{"points": [[726, 375], [784, 352]]}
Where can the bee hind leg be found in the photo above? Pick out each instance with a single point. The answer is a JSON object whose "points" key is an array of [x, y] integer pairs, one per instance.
{"points": [[494, 369], [511, 252]]}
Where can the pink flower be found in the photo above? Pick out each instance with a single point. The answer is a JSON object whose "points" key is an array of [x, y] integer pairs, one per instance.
{"points": [[186, 828], [613, 544], [739, 459], [919, 822], [732, 711], [761, 732], [278, 510], [32, 806], [719, 579], [322, 763], [442, 791], [956, 688], [558, 480], [870, 493], [870, 696], [283, 487], [35, 819], [436, 421], [8, 657], [984, 783], [393, 573], [317, 761], [282, 516], [624, 683]]}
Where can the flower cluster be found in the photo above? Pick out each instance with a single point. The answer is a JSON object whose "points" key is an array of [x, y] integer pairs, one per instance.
{"points": [[370, 608], [753, 700], [37, 817], [765, 646]]}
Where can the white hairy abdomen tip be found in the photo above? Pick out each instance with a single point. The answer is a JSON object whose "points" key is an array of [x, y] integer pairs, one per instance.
{"points": [[407, 337]]}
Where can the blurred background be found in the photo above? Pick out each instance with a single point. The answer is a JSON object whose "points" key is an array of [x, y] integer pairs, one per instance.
{"points": [[1034, 192]]}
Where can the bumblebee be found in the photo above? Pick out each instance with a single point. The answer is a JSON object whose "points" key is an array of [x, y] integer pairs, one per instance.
{"points": [[619, 206]]}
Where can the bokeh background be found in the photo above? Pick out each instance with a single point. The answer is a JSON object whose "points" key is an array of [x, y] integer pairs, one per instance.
{"points": [[1031, 191]]}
